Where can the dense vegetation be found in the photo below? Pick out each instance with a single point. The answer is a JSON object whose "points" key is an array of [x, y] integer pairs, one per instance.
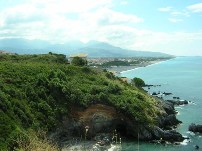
{"points": [[138, 82], [79, 61], [43, 58], [37, 91]]}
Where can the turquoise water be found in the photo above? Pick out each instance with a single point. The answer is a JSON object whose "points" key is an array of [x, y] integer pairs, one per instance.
{"points": [[181, 76]]}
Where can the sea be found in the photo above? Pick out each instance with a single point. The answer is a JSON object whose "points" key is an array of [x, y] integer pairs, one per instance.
{"points": [[181, 76]]}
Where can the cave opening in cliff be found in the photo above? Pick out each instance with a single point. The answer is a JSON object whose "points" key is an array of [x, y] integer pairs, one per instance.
{"points": [[121, 129]]}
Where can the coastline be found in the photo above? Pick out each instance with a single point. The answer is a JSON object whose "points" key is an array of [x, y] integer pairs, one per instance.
{"points": [[189, 142], [122, 69]]}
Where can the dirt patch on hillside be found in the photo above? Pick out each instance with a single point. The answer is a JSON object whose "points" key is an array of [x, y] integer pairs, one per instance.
{"points": [[99, 118], [87, 114]]}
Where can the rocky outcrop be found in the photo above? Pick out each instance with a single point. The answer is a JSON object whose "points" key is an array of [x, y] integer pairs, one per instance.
{"points": [[195, 128], [169, 121], [147, 133], [176, 97], [168, 107], [160, 93], [178, 102], [100, 119], [169, 135], [167, 93]]}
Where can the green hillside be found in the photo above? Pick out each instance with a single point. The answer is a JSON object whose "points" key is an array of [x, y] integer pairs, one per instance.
{"points": [[37, 91]]}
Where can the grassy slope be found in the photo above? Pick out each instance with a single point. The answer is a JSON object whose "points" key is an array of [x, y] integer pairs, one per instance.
{"points": [[36, 91]]}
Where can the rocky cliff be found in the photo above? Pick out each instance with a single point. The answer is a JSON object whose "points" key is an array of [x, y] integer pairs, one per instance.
{"points": [[100, 121]]}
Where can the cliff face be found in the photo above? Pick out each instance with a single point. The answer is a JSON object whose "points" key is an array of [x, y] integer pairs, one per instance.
{"points": [[100, 119]]}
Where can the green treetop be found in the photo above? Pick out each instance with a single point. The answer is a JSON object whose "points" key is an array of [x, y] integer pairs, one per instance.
{"points": [[138, 82], [79, 61]]}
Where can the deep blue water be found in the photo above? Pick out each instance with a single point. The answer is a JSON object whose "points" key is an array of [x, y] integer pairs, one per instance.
{"points": [[181, 76]]}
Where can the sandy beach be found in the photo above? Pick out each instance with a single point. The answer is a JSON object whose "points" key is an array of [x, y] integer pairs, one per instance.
{"points": [[120, 69]]}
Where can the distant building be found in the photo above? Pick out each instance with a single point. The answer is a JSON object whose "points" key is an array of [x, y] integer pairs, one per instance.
{"points": [[124, 79], [81, 55], [2, 52], [113, 72]]}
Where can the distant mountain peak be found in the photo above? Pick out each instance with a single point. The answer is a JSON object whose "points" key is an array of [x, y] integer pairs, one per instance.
{"points": [[93, 48]]}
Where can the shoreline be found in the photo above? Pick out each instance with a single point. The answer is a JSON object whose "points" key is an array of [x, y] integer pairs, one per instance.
{"points": [[123, 69]]}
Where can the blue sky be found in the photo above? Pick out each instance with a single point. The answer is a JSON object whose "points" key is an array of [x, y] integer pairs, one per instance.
{"points": [[171, 26]]}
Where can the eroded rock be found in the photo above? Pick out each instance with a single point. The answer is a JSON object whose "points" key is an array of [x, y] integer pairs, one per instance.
{"points": [[178, 102], [98, 122], [195, 128]]}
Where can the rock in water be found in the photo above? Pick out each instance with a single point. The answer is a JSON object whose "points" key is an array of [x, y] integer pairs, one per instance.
{"points": [[195, 128]]}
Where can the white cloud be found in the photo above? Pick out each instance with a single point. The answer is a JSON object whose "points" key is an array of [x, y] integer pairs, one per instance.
{"points": [[64, 20], [124, 2], [196, 8], [53, 21], [165, 9], [180, 13], [175, 20], [67, 6], [178, 43], [173, 12], [48, 18], [105, 16]]}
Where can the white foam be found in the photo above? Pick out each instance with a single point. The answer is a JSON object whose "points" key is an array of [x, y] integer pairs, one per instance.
{"points": [[115, 148], [185, 142], [193, 103], [178, 107], [129, 70], [156, 63], [143, 66], [191, 133]]}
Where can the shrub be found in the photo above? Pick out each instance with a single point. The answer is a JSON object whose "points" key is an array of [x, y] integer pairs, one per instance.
{"points": [[138, 82], [79, 61]]}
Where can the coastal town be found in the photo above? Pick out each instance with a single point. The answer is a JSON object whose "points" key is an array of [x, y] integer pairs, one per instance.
{"points": [[118, 64]]}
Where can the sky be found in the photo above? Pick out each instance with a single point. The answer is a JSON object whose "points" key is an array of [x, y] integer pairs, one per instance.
{"points": [[168, 26]]}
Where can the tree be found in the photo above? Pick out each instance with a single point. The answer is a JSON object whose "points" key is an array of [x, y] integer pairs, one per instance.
{"points": [[79, 61], [138, 82]]}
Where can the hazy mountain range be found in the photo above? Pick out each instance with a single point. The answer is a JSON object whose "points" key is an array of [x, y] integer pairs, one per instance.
{"points": [[92, 48]]}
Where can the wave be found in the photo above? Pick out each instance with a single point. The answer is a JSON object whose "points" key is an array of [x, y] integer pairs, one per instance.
{"points": [[185, 142], [191, 133], [151, 64], [136, 68], [179, 107], [129, 70]]}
